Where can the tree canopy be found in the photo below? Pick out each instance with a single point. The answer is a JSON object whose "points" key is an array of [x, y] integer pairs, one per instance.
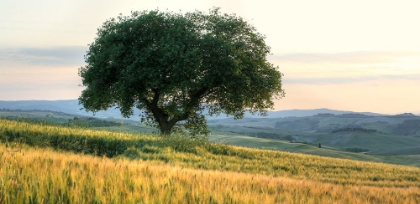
{"points": [[178, 67]]}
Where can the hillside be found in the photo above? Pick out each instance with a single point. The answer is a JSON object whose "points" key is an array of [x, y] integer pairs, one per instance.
{"points": [[353, 143], [392, 139], [403, 124], [150, 169]]}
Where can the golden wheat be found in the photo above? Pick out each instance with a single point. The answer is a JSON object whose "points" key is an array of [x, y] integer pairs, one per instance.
{"points": [[238, 159], [44, 176]]}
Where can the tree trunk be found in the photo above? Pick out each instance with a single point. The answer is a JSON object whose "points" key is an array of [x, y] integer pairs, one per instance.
{"points": [[165, 128], [161, 117], [165, 123]]}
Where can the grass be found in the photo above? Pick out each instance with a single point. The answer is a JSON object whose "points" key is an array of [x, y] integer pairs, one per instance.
{"points": [[38, 164], [199, 154], [375, 142], [327, 151], [29, 175], [382, 147]]}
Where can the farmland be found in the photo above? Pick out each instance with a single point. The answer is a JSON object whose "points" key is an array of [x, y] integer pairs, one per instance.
{"points": [[148, 169]]}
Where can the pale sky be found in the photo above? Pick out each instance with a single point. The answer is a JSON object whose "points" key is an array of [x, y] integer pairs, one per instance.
{"points": [[354, 55]]}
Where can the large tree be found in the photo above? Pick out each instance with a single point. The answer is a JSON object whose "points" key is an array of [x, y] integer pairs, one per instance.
{"points": [[177, 67]]}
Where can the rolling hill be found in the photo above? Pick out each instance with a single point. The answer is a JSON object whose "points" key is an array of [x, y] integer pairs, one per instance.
{"points": [[49, 163], [342, 134], [73, 107]]}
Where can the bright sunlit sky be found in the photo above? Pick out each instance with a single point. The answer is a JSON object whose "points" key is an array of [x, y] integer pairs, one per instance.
{"points": [[359, 55]]}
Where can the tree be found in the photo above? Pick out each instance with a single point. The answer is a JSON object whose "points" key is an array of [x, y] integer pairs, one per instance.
{"points": [[177, 67]]}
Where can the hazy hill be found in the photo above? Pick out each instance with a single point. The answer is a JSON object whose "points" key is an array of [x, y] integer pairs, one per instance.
{"points": [[289, 125], [403, 124], [303, 113], [65, 106], [384, 135], [393, 139], [73, 107]]}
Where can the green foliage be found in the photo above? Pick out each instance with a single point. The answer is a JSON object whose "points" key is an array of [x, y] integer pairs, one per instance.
{"points": [[176, 66]]}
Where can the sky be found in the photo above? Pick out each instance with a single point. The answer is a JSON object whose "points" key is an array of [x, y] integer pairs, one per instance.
{"points": [[345, 55]]}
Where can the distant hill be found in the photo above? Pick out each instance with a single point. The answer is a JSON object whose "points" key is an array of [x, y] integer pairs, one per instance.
{"points": [[343, 132], [65, 106], [304, 113], [73, 107], [403, 124]]}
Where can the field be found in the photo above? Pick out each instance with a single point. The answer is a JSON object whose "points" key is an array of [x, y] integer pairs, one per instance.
{"points": [[290, 134], [39, 164], [389, 139]]}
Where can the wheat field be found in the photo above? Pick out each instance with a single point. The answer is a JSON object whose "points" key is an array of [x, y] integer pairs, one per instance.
{"points": [[31, 175], [177, 170]]}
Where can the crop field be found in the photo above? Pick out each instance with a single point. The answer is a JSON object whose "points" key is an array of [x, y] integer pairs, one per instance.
{"points": [[384, 148], [44, 176], [53, 164]]}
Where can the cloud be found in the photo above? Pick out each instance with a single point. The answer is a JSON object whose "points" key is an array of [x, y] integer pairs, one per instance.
{"points": [[360, 57], [12, 87], [53, 56], [326, 80], [348, 67], [38, 88], [347, 80]]}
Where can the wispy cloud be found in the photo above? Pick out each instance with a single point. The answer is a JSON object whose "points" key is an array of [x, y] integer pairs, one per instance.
{"points": [[360, 57], [348, 67], [346, 80], [53, 56], [36, 73]]}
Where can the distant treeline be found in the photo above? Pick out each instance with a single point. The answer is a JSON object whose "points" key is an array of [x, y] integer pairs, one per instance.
{"points": [[404, 115], [352, 115], [91, 122], [344, 115], [353, 129], [356, 149]]}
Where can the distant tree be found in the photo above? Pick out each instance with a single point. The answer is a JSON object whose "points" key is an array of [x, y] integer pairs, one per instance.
{"points": [[175, 67]]}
